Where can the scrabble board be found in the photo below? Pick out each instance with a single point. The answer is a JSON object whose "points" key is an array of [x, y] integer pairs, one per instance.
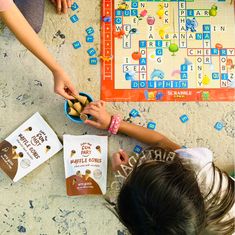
{"points": [[168, 50]]}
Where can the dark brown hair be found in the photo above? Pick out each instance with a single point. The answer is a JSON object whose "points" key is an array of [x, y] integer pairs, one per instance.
{"points": [[218, 202], [162, 197]]}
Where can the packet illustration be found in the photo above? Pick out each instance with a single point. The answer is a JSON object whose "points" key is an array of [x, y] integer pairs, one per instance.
{"points": [[85, 160], [27, 147]]}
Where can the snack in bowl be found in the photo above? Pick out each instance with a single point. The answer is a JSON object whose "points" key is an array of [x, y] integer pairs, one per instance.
{"points": [[73, 108]]}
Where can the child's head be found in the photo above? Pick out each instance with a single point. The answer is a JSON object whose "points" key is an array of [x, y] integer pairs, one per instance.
{"points": [[161, 197]]}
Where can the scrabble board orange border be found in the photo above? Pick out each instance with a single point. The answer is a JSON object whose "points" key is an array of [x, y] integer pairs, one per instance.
{"points": [[109, 93]]}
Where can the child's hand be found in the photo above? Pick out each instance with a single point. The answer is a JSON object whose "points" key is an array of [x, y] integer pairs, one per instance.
{"points": [[102, 118], [62, 5], [118, 159], [63, 86]]}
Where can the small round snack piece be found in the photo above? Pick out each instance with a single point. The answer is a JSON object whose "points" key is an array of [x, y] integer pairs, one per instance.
{"points": [[83, 117]]}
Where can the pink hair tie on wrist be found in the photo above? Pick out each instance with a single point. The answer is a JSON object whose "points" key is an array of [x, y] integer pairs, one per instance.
{"points": [[115, 124]]}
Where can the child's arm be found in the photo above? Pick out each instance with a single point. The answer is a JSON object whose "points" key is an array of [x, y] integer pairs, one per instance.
{"points": [[146, 135], [102, 120], [16, 22]]}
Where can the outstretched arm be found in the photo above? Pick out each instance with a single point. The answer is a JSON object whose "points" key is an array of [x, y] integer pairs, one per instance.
{"points": [[102, 120], [16, 22], [146, 135]]}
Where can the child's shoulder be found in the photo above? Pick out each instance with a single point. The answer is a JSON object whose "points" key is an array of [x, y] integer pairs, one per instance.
{"points": [[199, 157], [198, 154]]}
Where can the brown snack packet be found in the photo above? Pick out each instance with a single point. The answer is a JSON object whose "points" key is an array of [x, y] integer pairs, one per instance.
{"points": [[85, 172]]}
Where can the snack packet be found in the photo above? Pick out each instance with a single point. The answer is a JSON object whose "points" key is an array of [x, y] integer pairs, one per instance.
{"points": [[85, 159], [27, 147]]}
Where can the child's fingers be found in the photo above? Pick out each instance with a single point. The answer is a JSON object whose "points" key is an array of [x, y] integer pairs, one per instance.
{"points": [[91, 112], [116, 161], [68, 97], [92, 108], [102, 103], [62, 92], [97, 103], [72, 89], [65, 95], [87, 106], [69, 3], [124, 156], [64, 6], [58, 6], [92, 123]]}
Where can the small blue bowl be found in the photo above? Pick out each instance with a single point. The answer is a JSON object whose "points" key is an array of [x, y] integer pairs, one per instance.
{"points": [[72, 118]]}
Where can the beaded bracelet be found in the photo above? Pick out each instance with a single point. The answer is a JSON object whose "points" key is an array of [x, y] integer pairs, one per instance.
{"points": [[114, 125]]}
